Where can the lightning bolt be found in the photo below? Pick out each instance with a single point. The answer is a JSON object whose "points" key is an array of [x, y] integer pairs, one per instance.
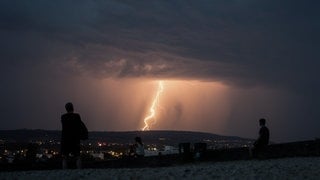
{"points": [[152, 110]]}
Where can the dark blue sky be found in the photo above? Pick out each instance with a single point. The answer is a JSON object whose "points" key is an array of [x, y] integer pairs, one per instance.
{"points": [[265, 52]]}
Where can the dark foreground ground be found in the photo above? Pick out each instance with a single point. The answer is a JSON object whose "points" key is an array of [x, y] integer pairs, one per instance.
{"points": [[283, 168]]}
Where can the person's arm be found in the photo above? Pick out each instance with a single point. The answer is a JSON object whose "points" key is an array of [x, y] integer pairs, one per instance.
{"points": [[258, 139]]}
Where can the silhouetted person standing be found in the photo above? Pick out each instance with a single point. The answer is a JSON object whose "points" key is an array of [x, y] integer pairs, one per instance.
{"points": [[263, 139], [72, 132]]}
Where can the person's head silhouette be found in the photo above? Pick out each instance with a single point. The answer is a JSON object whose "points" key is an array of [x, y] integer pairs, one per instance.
{"points": [[69, 107], [138, 140], [262, 122]]}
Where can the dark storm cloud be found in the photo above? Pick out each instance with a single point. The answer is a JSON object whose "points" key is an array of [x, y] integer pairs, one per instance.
{"points": [[242, 43], [239, 42]]}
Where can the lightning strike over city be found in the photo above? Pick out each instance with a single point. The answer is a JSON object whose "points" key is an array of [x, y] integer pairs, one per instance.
{"points": [[151, 67], [151, 117]]}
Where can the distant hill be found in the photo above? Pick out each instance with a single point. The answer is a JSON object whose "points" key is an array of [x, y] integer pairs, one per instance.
{"points": [[150, 137], [26, 135], [169, 137]]}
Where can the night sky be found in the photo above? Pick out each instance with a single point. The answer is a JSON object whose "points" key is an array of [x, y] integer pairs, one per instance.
{"points": [[224, 64]]}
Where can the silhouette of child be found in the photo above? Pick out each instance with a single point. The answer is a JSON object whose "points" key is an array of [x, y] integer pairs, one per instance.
{"points": [[139, 147]]}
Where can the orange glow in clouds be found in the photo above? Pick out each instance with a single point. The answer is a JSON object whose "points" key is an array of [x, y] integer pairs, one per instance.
{"points": [[152, 112], [187, 105], [170, 104]]}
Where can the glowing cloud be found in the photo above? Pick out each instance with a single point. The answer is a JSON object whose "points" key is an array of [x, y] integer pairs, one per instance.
{"points": [[152, 112]]}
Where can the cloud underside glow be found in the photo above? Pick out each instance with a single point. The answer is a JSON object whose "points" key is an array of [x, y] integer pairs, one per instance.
{"points": [[182, 104]]}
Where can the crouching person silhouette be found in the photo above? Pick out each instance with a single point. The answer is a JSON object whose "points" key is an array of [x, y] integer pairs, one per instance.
{"points": [[138, 147], [73, 130]]}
